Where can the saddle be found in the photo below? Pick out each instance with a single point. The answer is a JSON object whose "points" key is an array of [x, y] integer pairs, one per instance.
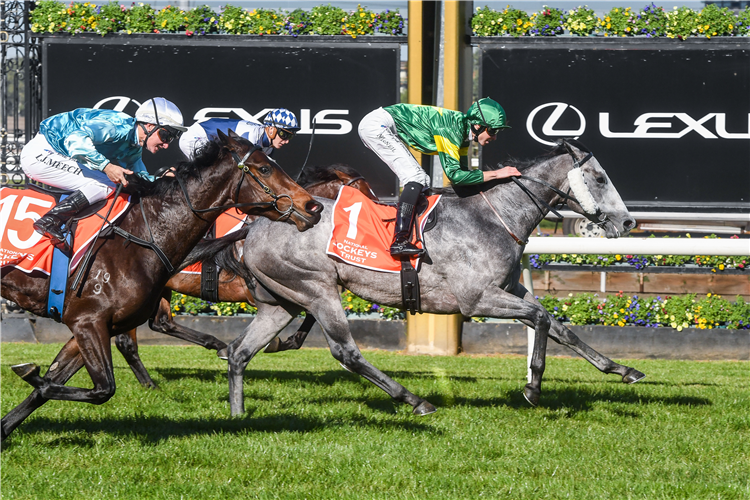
{"points": [[361, 234]]}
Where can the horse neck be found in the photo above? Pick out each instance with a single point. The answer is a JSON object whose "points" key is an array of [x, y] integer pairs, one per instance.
{"points": [[511, 201], [177, 226]]}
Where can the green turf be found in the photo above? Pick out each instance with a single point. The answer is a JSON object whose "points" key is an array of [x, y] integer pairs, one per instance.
{"points": [[316, 431]]}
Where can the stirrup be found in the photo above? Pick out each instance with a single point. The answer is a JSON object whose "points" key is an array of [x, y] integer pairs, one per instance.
{"points": [[405, 249]]}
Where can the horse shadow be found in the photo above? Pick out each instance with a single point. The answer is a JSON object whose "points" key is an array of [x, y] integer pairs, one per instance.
{"points": [[153, 430]]}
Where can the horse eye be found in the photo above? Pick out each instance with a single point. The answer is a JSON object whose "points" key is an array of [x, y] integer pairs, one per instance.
{"points": [[600, 180], [265, 170]]}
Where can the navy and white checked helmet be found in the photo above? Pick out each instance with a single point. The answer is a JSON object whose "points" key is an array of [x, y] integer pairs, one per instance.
{"points": [[282, 118]]}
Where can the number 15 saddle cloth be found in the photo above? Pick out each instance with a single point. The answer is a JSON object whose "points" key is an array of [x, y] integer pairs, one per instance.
{"points": [[27, 250]]}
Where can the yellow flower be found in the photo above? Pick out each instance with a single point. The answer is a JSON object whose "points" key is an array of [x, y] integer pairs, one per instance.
{"points": [[618, 257]]}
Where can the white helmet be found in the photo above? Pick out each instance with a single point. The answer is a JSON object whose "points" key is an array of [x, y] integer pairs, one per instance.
{"points": [[162, 113]]}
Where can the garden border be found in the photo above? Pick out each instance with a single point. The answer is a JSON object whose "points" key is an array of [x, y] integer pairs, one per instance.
{"points": [[489, 338]]}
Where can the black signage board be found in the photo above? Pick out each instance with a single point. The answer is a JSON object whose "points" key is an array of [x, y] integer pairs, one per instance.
{"points": [[669, 121], [331, 83]]}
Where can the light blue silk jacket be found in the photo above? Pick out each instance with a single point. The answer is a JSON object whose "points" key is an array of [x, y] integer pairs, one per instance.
{"points": [[96, 137]]}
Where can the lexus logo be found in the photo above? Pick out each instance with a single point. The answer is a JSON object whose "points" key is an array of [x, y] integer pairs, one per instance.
{"points": [[325, 123], [548, 129], [672, 125]]}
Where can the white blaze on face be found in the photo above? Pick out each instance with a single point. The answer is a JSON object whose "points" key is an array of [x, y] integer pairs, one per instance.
{"points": [[581, 191]]}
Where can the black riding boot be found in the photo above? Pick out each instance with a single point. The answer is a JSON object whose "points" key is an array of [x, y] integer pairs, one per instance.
{"points": [[49, 224], [405, 213]]}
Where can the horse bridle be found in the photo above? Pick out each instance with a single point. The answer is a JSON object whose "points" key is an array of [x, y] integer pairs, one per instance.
{"points": [[245, 169], [241, 165], [599, 218]]}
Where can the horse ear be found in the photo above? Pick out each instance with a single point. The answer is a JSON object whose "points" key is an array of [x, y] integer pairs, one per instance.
{"points": [[233, 134], [222, 135], [229, 139]]}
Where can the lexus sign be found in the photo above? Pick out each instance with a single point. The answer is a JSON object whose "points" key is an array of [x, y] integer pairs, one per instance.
{"points": [[669, 122]]}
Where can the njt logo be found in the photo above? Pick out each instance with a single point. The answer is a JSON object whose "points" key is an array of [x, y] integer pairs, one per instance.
{"points": [[325, 124], [646, 126]]}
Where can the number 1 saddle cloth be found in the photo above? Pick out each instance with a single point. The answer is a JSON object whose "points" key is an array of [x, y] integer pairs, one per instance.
{"points": [[362, 231]]}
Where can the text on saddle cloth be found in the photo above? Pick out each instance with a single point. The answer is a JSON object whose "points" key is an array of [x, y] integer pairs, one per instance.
{"points": [[228, 222], [362, 231], [27, 250]]}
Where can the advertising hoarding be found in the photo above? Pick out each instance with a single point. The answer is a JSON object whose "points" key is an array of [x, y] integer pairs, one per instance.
{"points": [[333, 84], [669, 121]]}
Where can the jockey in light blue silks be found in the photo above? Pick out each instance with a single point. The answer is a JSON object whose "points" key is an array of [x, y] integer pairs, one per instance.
{"points": [[89, 151], [277, 129]]}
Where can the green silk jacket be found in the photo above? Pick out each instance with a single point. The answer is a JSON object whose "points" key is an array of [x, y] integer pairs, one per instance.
{"points": [[431, 130]]}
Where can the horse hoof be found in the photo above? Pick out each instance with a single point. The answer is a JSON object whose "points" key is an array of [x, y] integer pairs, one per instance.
{"points": [[532, 395], [273, 346], [347, 368], [223, 354], [26, 370], [424, 408], [632, 376]]}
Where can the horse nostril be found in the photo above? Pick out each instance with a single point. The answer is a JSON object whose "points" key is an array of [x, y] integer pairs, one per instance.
{"points": [[629, 224], [313, 207]]}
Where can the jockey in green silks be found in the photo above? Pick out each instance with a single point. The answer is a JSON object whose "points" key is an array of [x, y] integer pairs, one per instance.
{"points": [[430, 130]]}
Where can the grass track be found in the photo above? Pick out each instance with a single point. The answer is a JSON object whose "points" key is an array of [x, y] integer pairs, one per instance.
{"points": [[315, 431]]}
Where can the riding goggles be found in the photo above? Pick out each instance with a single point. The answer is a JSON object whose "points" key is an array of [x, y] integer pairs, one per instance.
{"points": [[285, 134], [167, 135]]}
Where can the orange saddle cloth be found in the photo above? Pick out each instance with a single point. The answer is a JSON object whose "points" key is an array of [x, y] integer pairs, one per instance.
{"points": [[27, 250], [228, 222], [362, 231]]}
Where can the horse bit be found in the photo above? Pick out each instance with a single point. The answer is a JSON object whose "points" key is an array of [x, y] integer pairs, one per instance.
{"points": [[598, 217], [245, 169]]}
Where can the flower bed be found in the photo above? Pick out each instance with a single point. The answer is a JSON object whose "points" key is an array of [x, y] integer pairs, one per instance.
{"points": [[77, 17], [640, 262], [687, 311], [651, 21]]}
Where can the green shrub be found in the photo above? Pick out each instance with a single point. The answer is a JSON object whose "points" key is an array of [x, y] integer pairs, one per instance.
{"points": [[548, 22], [327, 20], [581, 21]]}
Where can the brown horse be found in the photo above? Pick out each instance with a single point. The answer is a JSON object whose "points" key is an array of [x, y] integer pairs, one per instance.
{"points": [[323, 182], [122, 286]]}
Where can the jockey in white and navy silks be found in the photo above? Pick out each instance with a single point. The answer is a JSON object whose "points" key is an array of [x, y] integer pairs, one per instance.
{"points": [[90, 151], [277, 129]]}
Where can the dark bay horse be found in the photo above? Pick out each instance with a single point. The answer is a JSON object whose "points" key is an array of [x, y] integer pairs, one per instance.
{"points": [[123, 284], [320, 181], [473, 269]]}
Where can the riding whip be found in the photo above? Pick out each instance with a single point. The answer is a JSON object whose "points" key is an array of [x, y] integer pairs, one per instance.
{"points": [[85, 262], [312, 136]]}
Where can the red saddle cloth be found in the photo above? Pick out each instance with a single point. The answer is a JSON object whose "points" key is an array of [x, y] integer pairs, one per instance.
{"points": [[228, 222], [27, 250], [362, 231]]}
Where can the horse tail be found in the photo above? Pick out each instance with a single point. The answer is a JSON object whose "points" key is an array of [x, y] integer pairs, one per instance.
{"points": [[221, 252]]}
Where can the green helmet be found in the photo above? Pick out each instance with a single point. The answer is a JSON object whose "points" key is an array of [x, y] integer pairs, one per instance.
{"points": [[487, 113]]}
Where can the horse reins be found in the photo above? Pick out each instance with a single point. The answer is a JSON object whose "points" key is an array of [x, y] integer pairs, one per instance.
{"points": [[599, 218], [245, 169]]}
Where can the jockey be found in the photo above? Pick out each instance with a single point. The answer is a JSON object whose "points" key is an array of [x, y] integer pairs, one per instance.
{"points": [[391, 130], [277, 130], [89, 151]]}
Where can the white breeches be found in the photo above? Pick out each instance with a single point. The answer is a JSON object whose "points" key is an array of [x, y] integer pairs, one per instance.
{"points": [[40, 162], [378, 131]]}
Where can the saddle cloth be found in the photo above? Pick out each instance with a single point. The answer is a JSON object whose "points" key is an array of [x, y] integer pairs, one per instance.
{"points": [[362, 231], [27, 250], [228, 222]]}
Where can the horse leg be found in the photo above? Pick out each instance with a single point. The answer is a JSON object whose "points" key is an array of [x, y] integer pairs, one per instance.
{"points": [[295, 340], [345, 351], [562, 335], [267, 324], [96, 352], [163, 322], [127, 344], [67, 362], [497, 303]]}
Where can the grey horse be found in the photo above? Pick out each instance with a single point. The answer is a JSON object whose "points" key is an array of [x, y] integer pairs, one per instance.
{"points": [[473, 269]]}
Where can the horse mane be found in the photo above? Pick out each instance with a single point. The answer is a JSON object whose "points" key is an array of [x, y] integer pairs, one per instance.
{"points": [[521, 164], [221, 252], [323, 173], [205, 157]]}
